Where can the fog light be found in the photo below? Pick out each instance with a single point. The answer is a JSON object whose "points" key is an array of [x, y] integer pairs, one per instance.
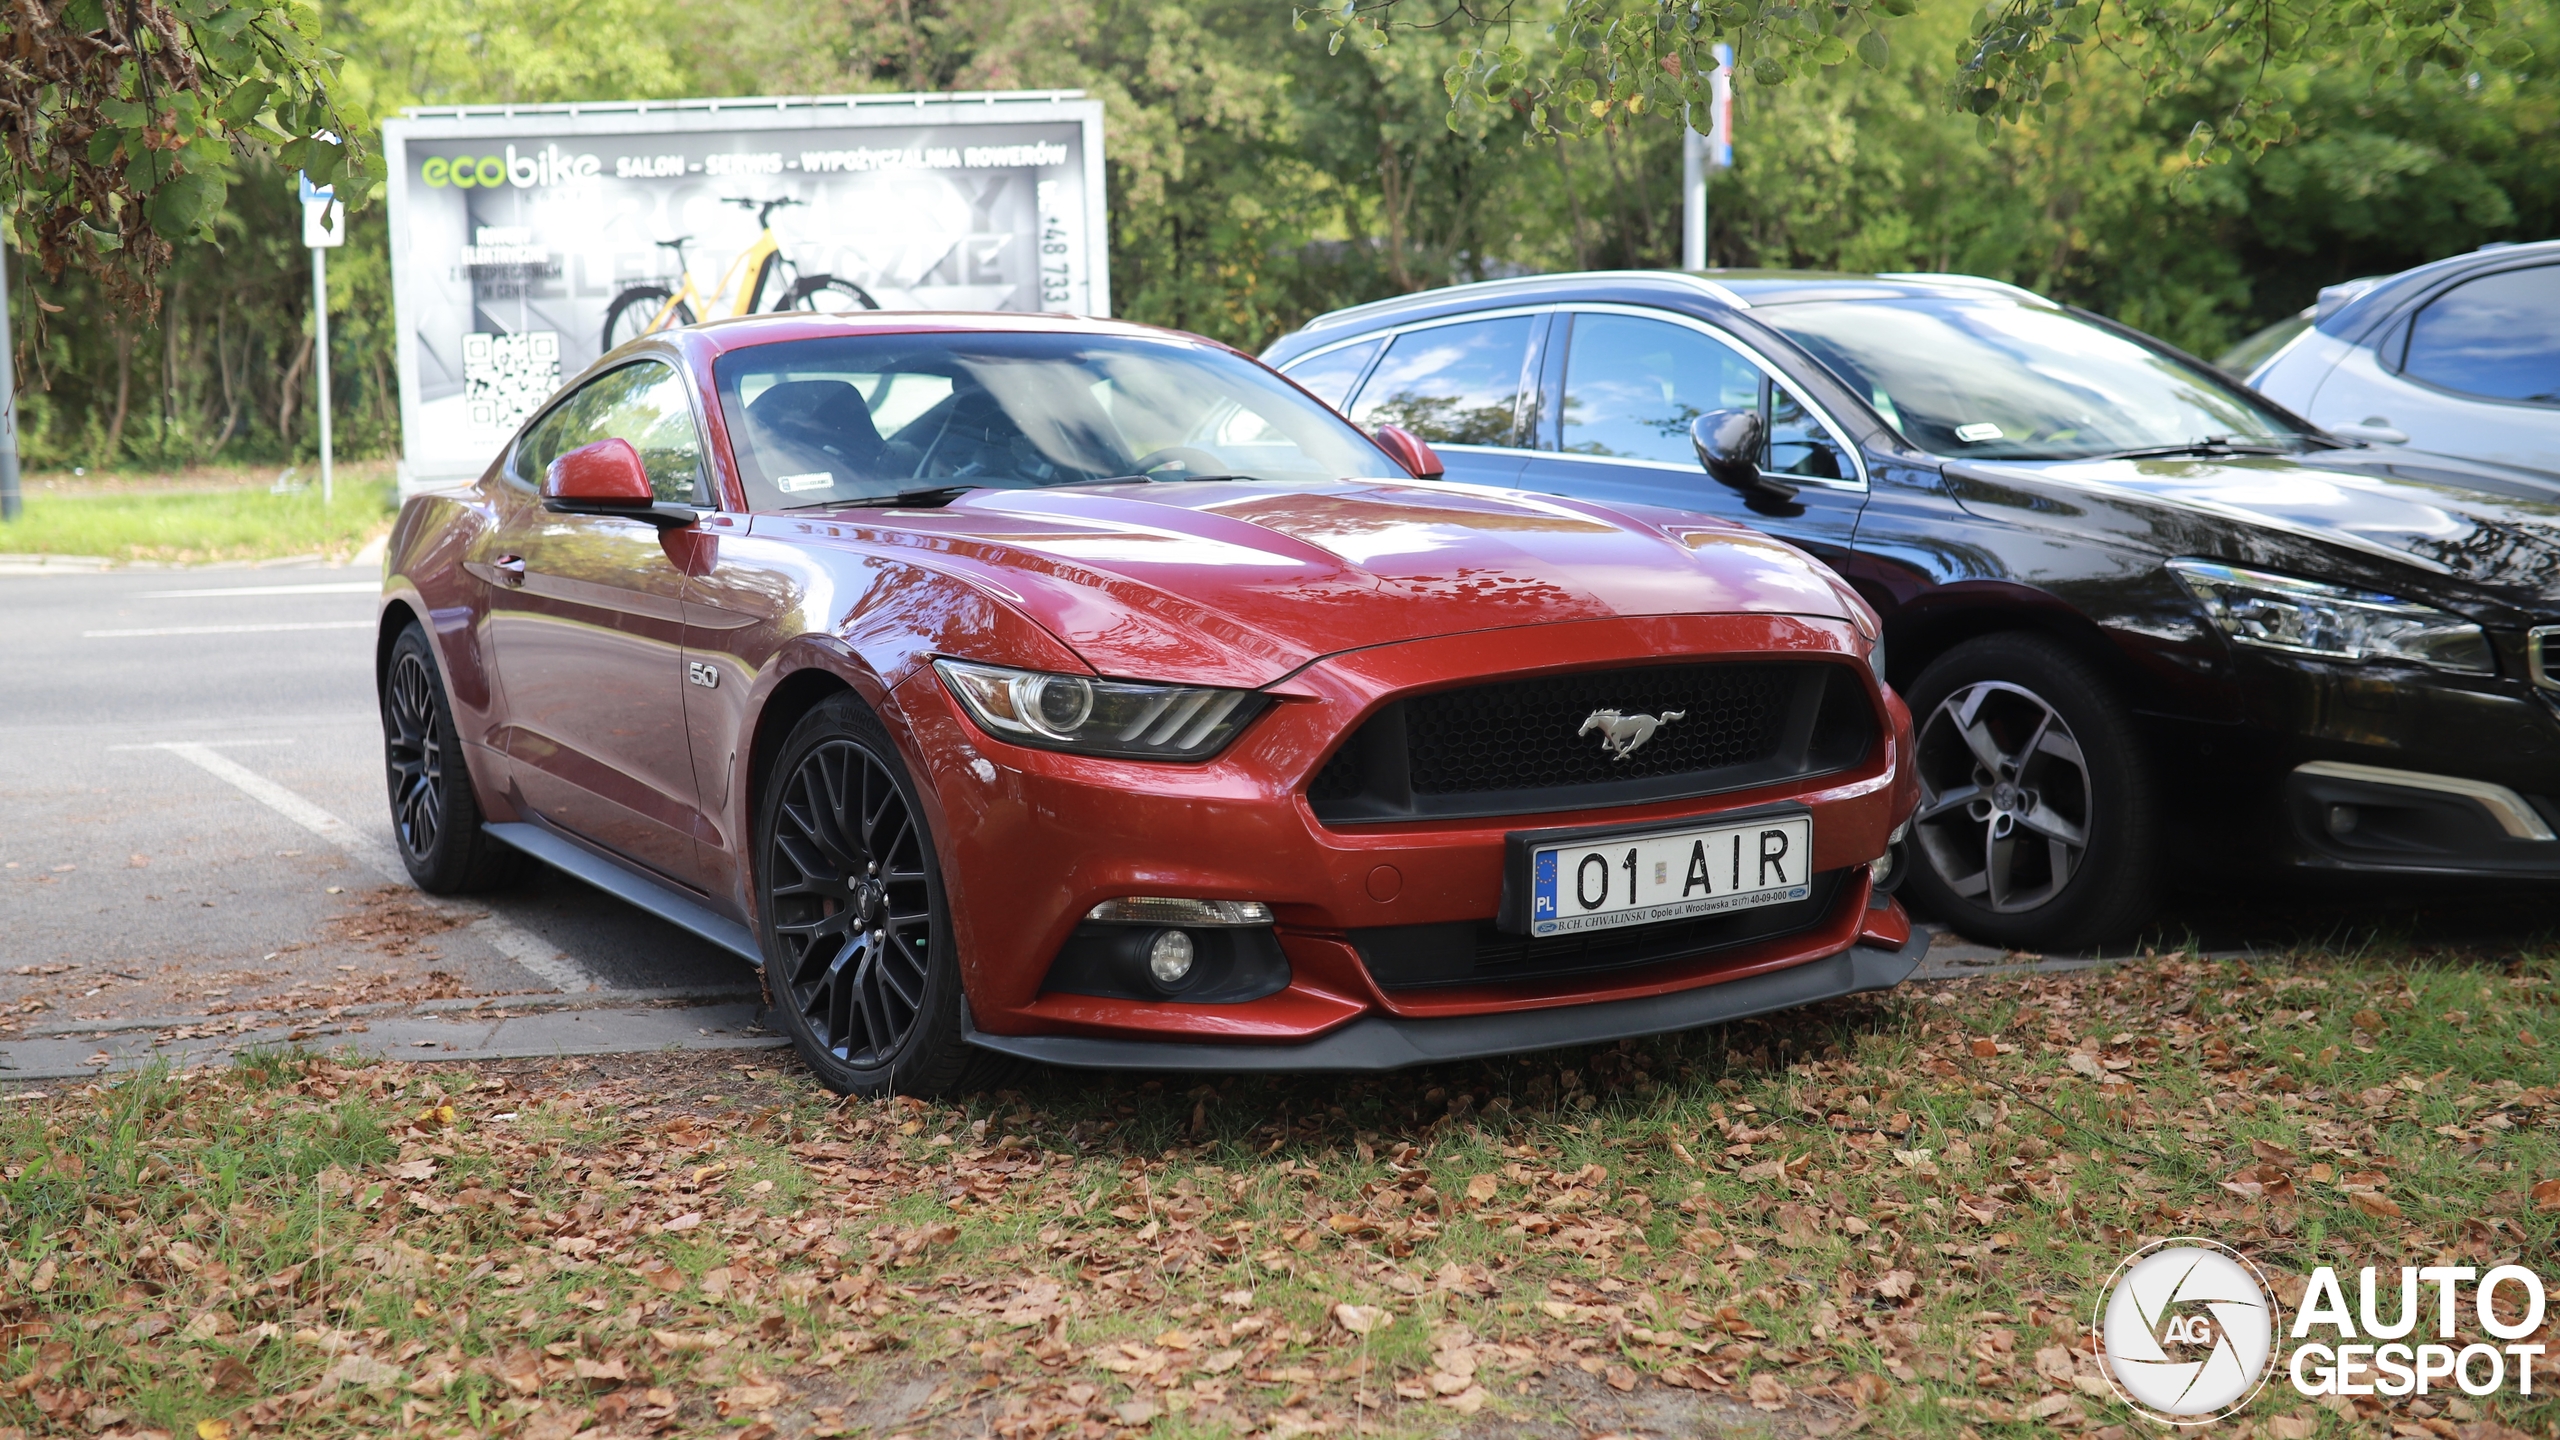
{"points": [[2342, 819], [1880, 869], [1169, 958]]}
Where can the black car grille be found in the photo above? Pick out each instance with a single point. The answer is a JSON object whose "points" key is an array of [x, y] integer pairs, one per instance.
{"points": [[1423, 957], [1519, 747]]}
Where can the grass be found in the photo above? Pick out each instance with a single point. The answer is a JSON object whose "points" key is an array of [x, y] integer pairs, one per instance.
{"points": [[1891, 1213], [203, 516]]}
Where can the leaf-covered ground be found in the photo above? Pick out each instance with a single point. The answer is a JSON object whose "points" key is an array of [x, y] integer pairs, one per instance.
{"points": [[1888, 1215]]}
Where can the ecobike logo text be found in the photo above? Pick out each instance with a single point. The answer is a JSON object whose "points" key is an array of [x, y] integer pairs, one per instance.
{"points": [[2187, 1330], [546, 166]]}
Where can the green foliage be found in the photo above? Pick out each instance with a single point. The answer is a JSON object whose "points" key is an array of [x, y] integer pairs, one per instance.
{"points": [[122, 124], [1256, 180], [1579, 66]]}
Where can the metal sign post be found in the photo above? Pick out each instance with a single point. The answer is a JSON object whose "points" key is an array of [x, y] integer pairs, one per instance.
{"points": [[9, 501], [1701, 153], [324, 228]]}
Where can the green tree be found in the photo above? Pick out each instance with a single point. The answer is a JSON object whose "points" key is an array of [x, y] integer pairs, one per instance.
{"points": [[120, 125], [1584, 65]]}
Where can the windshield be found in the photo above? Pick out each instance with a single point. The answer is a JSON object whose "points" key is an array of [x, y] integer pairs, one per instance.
{"points": [[868, 417], [1999, 379]]}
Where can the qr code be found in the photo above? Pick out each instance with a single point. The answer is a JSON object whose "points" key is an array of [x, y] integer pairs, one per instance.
{"points": [[505, 377]]}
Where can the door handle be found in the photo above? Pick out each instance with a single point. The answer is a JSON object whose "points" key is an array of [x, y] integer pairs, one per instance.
{"points": [[2374, 431], [510, 569]]}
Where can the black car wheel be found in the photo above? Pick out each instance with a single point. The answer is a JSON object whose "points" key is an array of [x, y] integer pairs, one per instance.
{"points": [[435, 815], [855, 927], [2036, 819]]}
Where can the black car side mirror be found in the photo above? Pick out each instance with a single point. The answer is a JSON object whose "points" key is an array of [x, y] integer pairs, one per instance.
{"points": [[1729, 443]]}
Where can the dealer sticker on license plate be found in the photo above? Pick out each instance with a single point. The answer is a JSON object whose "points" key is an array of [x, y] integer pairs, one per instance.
{"points": [[1596, 884]]}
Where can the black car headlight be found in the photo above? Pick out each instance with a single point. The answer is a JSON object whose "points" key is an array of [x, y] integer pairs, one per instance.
{"points": [[2306, 617], [1093, 716]]}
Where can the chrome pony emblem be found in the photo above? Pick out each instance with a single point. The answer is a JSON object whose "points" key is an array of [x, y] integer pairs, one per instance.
{"points": [[1623, 735]]}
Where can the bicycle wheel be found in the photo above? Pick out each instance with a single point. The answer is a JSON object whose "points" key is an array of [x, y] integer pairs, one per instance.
{"points": [[629, 317], [828, 295]]}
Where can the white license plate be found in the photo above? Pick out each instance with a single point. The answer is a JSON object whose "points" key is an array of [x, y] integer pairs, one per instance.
{"points": [[1668, 875]]}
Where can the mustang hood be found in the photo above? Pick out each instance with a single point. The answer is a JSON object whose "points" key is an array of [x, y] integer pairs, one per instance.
{"points": [[1241, 583], [2363, 516]]}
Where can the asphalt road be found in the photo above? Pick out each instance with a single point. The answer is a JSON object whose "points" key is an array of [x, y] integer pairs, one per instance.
{"points": [[193, 830]]}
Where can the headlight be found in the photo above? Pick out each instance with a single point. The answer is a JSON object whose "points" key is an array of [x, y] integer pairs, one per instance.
{"points": [[2305, 617], [1093, 716]]}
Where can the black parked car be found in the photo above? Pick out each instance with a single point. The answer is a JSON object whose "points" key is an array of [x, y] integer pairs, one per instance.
{"points": [[2141, 614]]}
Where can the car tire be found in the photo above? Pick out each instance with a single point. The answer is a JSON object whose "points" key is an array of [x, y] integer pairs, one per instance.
{"points": [[2037, 826], [853, 915], [435, 812]]}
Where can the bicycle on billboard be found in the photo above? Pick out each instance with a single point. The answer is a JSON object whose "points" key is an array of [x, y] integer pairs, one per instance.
{"points": [[648, 309]]}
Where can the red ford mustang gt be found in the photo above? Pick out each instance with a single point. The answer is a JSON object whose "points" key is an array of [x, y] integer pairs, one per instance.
{"points": [[1079, 691]]}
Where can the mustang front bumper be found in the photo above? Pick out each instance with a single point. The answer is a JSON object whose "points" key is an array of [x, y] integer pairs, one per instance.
{"points": [[1031, 840]]}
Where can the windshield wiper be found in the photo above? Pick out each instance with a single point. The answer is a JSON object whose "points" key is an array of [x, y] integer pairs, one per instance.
{"points": [[1148, 480], [930, 495], [2209, 445]]}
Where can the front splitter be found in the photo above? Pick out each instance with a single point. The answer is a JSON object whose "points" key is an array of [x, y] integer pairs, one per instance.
{"points": [[1381, 1042]]}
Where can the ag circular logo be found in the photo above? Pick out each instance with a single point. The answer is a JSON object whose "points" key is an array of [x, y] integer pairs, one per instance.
{"points": [[2186, 1328]]}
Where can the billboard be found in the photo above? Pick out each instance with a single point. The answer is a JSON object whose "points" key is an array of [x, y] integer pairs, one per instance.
{"points": [[518, 231]]}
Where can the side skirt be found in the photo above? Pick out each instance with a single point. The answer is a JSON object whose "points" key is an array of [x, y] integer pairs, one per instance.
{"points": [[665, 902], [1382, 1042]]}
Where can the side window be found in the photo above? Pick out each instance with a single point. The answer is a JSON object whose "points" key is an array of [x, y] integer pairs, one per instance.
{"points": [[645, 404], [1451, 384], [1798, 445], [555, 435], [1330, 376], [2497, 337], [1631, 387]]}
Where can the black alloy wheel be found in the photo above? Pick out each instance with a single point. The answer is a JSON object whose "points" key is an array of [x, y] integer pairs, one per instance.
{"points": [[857, 933], [435, 815], [2036, 820]]}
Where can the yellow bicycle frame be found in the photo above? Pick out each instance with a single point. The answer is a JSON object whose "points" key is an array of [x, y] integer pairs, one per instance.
{"points": [[745, 276]]}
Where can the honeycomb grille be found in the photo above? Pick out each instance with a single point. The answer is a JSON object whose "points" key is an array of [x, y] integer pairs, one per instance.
{"points": [[1527, 734]]}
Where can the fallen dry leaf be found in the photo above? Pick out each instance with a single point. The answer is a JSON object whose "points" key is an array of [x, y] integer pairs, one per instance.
{"points": [[1361, 1319], [554, 1421], [361, 1369], [747, 1399], [2379, 1206]]}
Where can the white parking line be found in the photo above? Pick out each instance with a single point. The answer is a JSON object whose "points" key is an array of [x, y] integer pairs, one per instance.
{"points": [[334, 587], [508, 939], [225, 629]]}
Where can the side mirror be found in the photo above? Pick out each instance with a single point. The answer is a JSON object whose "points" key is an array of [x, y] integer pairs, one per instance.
{"points": [[1729, 443], [607, 478], [1408, 450]]}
